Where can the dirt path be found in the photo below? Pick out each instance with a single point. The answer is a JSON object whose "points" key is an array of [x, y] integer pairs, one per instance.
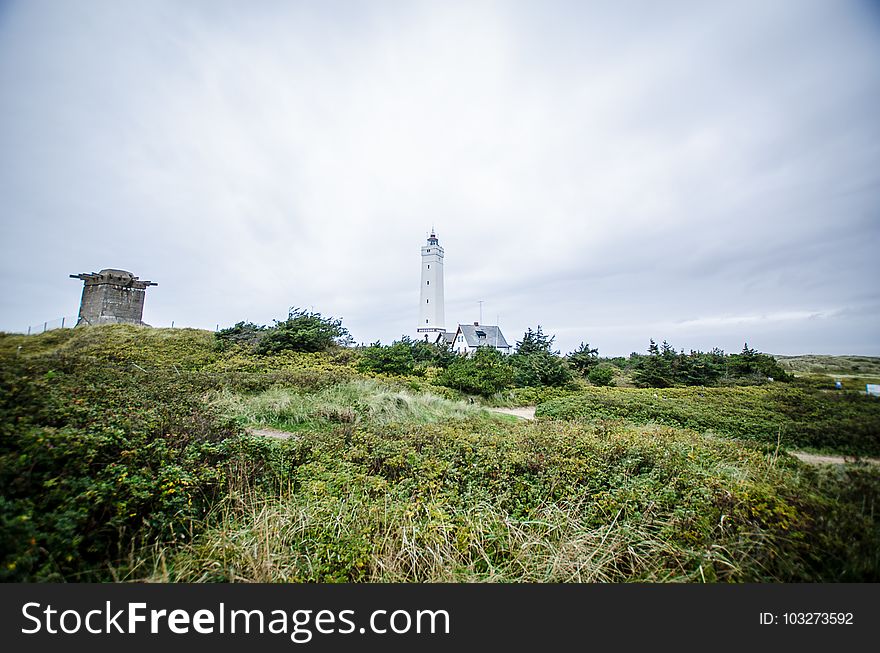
{"points": [[524, 412], [273, 433], [815, 459]]}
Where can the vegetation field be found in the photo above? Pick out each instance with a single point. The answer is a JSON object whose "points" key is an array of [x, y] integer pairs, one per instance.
{"points": [[798, 415], [831, 365], [125, 455]]}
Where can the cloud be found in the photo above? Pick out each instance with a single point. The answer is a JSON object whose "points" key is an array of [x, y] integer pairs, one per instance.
{"points": [[606, 172], [725, 320]]}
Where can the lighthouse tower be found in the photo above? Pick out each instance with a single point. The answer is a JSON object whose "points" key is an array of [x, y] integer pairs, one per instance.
{"points": [[431, 318]]}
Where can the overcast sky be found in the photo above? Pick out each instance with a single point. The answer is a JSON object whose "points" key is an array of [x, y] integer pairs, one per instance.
{"points": [[702, 172]]}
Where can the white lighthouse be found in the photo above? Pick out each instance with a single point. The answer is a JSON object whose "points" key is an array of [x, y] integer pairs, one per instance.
{"points": [[431, 318]]}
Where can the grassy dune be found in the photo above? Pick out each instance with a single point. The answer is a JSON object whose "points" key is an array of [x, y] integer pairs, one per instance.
{"points": [[831, 365], [352, 402], [798, 416], [533, 502], [123, 455]]}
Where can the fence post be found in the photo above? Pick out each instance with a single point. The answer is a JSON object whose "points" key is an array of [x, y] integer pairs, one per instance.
{"points": [[29, 331], [45, 324], [62, 322]]}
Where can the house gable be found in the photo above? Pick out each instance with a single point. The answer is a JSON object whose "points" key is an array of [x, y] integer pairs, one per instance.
{"points": [[468, 337]]}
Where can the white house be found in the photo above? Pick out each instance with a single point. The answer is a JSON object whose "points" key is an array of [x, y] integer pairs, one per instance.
{"points": [[468, 337]]}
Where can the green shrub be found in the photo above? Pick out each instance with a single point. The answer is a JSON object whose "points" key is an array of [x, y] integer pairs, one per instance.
{"points": [[393, 359], [107, 443], [538, 503], [842, 422], [428, 354], [485, 372], [246, 334], [405, 357], [540, 368], [94, 458], [602, 375], [663, 367], [531, 396], [583, 359], [303, 331], [536, 364], [120, 459]]}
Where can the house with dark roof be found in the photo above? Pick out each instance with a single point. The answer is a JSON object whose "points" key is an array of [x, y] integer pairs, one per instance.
{"points": [[447, 337], [468, 337]]}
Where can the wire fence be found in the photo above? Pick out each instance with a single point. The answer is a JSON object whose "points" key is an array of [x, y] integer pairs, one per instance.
{"points": [[66, 322], [69, 321]]}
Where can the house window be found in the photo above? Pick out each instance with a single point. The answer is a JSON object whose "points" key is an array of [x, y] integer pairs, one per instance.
{"points": [[429, 266], [428, 282], [427, 301], [426, 321]]}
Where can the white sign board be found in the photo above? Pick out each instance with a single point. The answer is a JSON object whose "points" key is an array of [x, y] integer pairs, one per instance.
{"points": [[872, 389]]}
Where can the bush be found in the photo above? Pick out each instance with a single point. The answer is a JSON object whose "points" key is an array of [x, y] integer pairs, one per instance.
{"points": [[603, 375], [530, 396], [540, 368], [843, 422], [430, 354], [114, 466], [107, 443], [303, 331], [394, 359], [405, 357], [247, 334], [484, 373], [536, 364], [750, 362], [95, 458], [536, 503], [663, 367], [583, 359]]}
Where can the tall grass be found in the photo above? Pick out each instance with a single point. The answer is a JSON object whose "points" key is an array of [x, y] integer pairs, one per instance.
{"points": [[532, 503], [280, 540], [352, 402]]}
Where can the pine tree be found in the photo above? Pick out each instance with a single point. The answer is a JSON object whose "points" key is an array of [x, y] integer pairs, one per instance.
{"points": [[584, 358], [535, 341]]}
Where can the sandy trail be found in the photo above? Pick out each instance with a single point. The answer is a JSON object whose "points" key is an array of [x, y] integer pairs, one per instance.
{"points": [[524, 412], [272, 433], [815, 459]]}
